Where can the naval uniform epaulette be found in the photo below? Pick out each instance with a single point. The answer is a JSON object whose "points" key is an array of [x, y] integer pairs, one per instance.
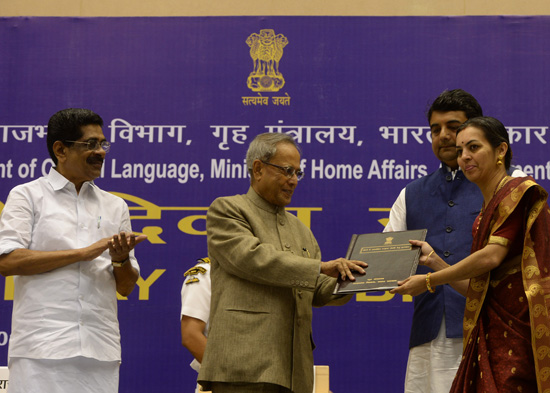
{"points": [[195, 270]]}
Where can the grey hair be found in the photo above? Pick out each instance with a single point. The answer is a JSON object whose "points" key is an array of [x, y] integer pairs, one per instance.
{"points": [[264, 147]]}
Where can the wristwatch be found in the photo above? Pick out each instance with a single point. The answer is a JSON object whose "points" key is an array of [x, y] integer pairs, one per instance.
{"points": [[119, 263]]}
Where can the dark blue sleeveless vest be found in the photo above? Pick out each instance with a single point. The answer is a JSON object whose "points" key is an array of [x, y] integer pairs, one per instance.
{"points": [[447, 208]]}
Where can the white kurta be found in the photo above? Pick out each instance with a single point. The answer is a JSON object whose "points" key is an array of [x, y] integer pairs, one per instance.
{"points": [[69, 311]]}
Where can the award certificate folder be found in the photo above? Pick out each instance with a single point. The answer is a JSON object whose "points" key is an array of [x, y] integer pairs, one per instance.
{"points": [[390, 256]]}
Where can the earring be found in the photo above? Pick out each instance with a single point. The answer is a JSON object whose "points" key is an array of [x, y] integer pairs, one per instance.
{"points": [[499, 161]]}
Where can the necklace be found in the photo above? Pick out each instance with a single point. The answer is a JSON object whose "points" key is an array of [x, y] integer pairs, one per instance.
{"points": [[501, 184]]}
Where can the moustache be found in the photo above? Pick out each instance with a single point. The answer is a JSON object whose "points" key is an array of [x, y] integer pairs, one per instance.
{"points": [[95, 160]]}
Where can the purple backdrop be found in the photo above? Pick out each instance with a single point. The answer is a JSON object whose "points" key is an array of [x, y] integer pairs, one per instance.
{"points": [[180, 109]]}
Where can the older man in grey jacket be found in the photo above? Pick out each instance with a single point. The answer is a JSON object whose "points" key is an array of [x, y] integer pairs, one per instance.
{"points": [[266, 276]]}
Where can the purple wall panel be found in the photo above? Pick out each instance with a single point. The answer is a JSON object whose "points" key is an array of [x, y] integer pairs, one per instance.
{"points": [[356, 90]]}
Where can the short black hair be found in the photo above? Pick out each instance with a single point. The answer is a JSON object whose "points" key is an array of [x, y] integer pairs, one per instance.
{"points": [[66, 125], [494, 131], [456, 100]]}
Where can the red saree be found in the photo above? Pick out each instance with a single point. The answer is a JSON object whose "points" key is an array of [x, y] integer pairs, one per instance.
{"points": [[506, 320]]}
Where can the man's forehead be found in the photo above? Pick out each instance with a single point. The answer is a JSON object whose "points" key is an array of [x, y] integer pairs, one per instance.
{"points": [[286, 149], [92, 131], [439, 117]]}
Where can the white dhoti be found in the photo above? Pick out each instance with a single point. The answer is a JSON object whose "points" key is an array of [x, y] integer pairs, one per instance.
{"points": [[79, 374], [431, 367]]}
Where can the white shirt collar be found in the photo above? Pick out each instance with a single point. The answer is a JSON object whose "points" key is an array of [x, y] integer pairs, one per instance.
{"points": [[58, 181]]}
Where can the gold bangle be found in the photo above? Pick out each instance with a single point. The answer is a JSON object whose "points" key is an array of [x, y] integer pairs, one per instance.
{"points": [[429, 255], [428, 285]]}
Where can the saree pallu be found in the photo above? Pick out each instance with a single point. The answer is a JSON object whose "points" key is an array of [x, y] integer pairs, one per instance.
{"points": [[506, 320]]}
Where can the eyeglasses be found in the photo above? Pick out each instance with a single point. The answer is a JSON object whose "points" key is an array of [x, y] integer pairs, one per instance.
{"points": [[288, 170], [94, 144]]}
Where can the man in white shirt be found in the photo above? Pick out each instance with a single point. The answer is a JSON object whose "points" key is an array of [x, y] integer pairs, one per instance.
{"points": [[69, 246], [195, 311]]}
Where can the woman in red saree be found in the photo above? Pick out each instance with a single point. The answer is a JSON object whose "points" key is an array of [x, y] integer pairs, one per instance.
{"points": [[506, 320]]}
